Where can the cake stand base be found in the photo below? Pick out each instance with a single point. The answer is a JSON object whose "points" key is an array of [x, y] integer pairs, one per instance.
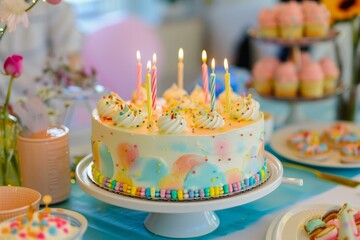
{"points": [[179, 219], [182, 225]]}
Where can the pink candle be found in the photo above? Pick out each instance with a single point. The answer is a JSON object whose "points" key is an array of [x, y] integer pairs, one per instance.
{"points": [[154, 82], [138, 75], [205, 78]]}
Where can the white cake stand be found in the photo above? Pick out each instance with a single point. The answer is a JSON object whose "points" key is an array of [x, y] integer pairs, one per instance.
{"points": [[180, 219]]}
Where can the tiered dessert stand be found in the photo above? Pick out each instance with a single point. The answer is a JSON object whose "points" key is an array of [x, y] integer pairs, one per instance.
{"points": [[295, 45], [179, 219]]}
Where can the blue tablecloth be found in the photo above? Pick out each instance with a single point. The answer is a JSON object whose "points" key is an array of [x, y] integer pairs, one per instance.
{"points": [[110, 222]]}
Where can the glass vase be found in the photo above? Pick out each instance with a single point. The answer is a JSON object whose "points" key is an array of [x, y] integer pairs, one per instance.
{"points": [[9, 165], [347, 105]]}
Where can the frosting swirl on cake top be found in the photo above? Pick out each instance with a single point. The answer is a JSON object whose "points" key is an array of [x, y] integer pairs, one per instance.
{"points": [[128, 117], [171, 122], [208, 120], [108, 105], [245, 109]]}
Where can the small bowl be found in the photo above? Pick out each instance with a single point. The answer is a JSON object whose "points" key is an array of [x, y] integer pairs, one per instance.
{"points": [[75, 219], [75, 230], [15, 201]]}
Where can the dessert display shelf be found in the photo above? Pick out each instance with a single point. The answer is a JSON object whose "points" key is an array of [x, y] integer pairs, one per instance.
{"points": [[295, 45], [295, 115], [305, 41], [179, 219]]}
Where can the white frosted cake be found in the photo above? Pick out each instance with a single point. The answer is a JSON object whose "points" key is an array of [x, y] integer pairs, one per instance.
{"points": [[186, 151]]}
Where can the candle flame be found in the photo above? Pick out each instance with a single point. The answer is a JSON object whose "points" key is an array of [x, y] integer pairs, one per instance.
{"points": [[138, 56], [148, 67], [213, 64], [226, 65], [204, 56], [154, 58], [181, 54]]}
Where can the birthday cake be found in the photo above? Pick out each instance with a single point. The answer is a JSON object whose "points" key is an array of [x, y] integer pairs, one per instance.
{"points": [[183, 151]]}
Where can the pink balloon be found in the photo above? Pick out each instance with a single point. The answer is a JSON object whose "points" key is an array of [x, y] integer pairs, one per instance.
{"points": [[53, 2], [111, 51]]}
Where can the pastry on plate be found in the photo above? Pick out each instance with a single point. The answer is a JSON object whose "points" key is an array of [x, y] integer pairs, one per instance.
{"points": [[343, 224], [350, 153], [308, 144], [338, 135]]}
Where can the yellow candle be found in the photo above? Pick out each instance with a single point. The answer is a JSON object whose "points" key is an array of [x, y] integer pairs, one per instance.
{"points": [[227, 86], [181, 68], [148, 93]]}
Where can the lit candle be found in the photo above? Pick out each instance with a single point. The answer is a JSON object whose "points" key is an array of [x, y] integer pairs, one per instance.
{"points": [[181, 68], [227, 86], [148, 92], [205, 79], [138, 75], [212, 84], [154, 82]]}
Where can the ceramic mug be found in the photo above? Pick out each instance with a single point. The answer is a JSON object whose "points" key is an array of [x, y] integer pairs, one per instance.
{"points": [[45, 163]]}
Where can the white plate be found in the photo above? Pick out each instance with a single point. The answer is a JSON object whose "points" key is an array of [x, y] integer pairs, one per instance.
{"points": [[279, 145], [291, 224]]}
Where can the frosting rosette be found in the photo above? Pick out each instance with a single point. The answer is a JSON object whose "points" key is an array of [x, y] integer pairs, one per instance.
{"points": [[128, 117], [233, 96], [108, 105], [208, 120], [246, 109], [183, 103], [139, 99], [198, 95], [171, 122], [174, 92]]}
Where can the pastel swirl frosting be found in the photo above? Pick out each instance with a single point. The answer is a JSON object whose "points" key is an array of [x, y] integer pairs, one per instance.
{"points": [[246, 109], [171, 122], [208, 120], [108, 105], [128, 118]]}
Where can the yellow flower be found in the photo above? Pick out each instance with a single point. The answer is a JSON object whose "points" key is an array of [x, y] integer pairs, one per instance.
{"points": [[342, 9]]}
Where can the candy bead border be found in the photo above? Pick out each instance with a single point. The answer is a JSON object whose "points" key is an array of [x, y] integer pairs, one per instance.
{"points": [[181, 195]]}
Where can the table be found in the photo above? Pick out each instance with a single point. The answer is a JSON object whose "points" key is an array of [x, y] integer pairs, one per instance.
{"points": [[249, 221]]}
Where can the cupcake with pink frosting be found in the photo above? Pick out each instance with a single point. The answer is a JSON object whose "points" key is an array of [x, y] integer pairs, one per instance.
{"points": [[286, 80], [264, 72], [311, 80], [290, 19], [316, 19], [305, 57], [268, 23], [331, 74]]}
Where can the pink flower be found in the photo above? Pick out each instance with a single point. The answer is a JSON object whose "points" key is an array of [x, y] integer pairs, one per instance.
{"points": [[53, 2], [13, 65]]}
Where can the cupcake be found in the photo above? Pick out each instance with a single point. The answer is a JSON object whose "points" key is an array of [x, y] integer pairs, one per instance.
{"points": [[311, 80], [264, 72], [316, 19], [267, 22], [286, 80], [305, 57], [290, 19], [331, 74]]}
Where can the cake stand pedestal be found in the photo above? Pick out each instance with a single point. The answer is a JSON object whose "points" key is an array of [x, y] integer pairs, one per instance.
{"points": [[181, 219]]}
